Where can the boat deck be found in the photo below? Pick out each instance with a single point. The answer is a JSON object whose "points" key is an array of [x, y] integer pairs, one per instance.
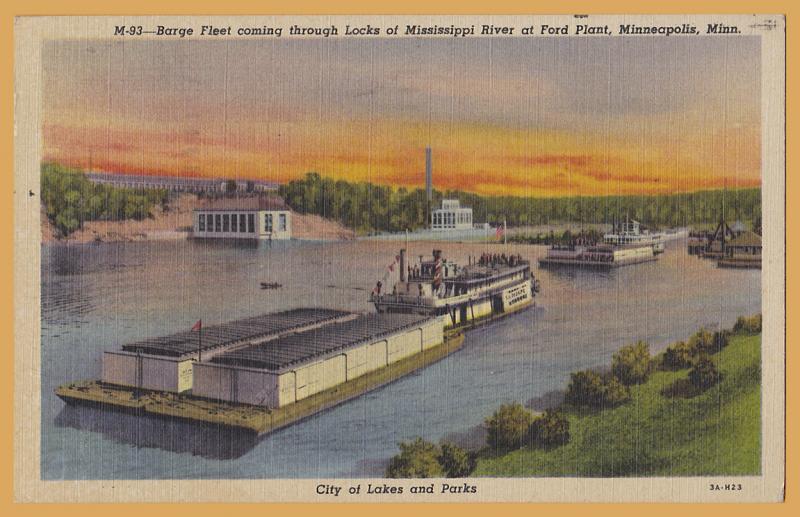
{"points": [[566, 262]]}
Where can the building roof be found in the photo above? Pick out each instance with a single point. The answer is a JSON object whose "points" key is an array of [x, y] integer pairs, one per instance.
{"points": [[244, 204], [214, 336], [746, 239], [303, 346]]}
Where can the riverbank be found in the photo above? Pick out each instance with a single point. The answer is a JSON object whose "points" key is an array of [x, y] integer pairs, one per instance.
{"points": [[714, 433], [175, 222]]}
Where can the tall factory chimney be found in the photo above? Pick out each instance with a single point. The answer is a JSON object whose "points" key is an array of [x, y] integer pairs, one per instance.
{"points": [[429, 183], [428, 174]]}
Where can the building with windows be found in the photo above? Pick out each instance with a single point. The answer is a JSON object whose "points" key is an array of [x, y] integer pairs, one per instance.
{"points": [[243, 218], [451, 216]]}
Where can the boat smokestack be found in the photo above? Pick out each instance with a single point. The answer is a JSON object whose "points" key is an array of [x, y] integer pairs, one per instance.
{"points": [[402, 264]]}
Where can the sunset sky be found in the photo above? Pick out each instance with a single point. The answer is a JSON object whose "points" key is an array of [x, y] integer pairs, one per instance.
{"points": [[521, 116]]}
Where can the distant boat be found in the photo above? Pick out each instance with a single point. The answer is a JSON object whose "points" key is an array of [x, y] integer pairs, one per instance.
{"points": [[630, 235], [598, 256], [270, 285]]}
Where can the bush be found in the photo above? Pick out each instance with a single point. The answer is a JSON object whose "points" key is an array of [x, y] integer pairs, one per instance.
{"points": [[550, 429], [456, 462], [615, 393], [678, 356], [751, 325], [585, 388], [417, 459], [721, 339], [508, 426], [704, 374], [631, 364], [702, 341]]}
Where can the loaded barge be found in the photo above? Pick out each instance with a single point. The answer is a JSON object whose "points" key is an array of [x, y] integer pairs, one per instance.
{"points": [[264, 373]]}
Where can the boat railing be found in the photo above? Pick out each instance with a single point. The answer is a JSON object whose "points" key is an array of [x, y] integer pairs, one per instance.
{"points": [[405, 299]]}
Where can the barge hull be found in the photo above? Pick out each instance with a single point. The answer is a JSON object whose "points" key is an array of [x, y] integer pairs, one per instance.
{"points": [[256, 419], [545, 262]]}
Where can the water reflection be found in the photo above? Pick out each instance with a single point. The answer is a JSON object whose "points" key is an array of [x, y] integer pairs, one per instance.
{"points": [[168, 434]]}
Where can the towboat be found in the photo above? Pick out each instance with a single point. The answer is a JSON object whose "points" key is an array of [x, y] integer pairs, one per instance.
{"points": [[488, 286]]}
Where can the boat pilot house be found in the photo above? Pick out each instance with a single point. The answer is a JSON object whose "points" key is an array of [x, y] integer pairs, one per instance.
{"points": [[244, 218]]}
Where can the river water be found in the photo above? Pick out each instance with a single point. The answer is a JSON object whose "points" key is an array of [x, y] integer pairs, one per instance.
{"points": [[97, 297]]}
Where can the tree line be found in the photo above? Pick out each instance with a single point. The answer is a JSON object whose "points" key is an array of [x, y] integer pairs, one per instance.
{"points": [[367, 207], [70, 199]]}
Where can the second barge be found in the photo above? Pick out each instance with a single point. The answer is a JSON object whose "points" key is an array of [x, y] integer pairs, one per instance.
{"points": [[598, 256]]}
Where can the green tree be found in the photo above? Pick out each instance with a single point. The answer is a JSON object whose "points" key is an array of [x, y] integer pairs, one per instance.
{"points": [[455, 461], [678, 356], [704, 373], [550, 429], [417, 459], [586, 389], [751, 325], [702, 341], [615, 393], [631, 364], [508, 427]]}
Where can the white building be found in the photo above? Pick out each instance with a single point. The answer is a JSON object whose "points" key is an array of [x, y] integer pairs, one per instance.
{"points": [[452, 216], [246, 218]]}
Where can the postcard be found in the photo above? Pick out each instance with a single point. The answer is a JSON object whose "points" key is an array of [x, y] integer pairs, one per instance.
{"points": [[400, 258]]}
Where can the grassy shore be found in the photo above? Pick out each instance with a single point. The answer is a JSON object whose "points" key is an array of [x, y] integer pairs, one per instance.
{"points": [[665, 430]]}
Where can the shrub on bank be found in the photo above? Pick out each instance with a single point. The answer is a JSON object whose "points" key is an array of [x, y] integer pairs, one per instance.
{"points": [[455, 461], [508, 427], [751, 325], [586, 388], [678, 356], [550, 429], [704, 373], [590, 389], [707, 342], [417, 459], [615, 393], [631, 364], [702, 341]]}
